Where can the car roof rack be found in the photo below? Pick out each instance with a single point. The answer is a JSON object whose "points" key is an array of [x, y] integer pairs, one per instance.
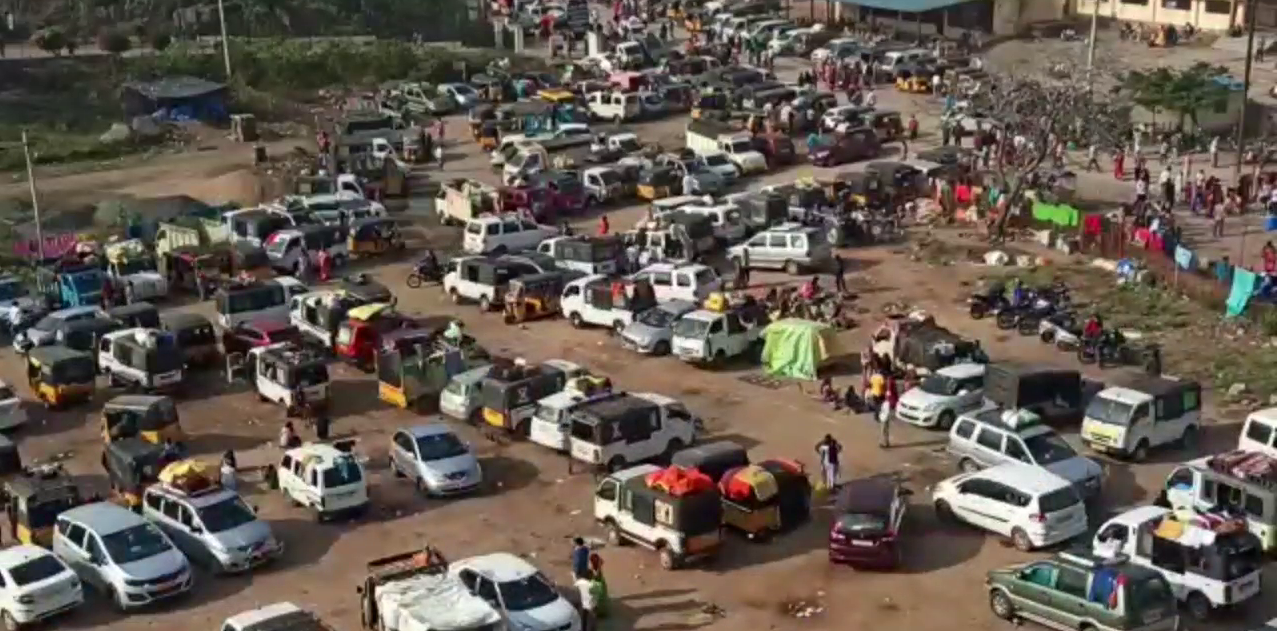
{"points": [[1084, 558]]}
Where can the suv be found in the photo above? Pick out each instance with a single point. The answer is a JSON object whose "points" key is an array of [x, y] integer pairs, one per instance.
{"points": [[679, 527], [1080, 591], [499, 234], [121, 555], [1030, 505], [323, 478], [993, 436], [149, 359], [789, 246], [213, 526], [937, 401], [625, 429]]}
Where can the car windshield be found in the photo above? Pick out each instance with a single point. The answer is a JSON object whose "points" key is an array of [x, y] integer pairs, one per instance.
{"points": [[142, 541], [609, 177], [87, 282], [11, 289], [657, 317], [135, 266], [530, 592], [35, 570], [629, 145], [345, 471], [691, 327], [1048, 448], [312, 375], [739, 146], [717, 160], [1109, 411], [439, 447], [463, 90], [862, 523], [939, 385], [225, 515]]}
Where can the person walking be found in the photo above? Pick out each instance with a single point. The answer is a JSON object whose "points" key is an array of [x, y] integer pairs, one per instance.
{"points": [[580, 558], [840, 270], [438, 149], [742, 270], [1214, 152], [829, 450], [1092, 159], [585, 588], [886, 411]]}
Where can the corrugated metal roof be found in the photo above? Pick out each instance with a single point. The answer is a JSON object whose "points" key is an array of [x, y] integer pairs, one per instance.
{"points": [[907, 6]]}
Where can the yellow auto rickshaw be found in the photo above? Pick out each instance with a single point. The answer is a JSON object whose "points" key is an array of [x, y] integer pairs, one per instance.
{"points": [[479, 115], [374, 235], [33, 503], [711, 106], [132, 465], [557, 96], [764, 498], [913, 84], [657, 183], [533, 296], [60, 376], [489, 135], [151, 418]]}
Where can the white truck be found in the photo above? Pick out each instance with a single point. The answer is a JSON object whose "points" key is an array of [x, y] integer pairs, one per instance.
{"points": [[132, 267], [714, 337], [708, 137], [624, 143], [413, 591], [617, 107], [461, 200], [603, 185], [599, 300], [1207, 568], [1152, 412]]}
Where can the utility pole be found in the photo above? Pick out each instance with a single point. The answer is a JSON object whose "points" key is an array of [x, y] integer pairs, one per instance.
{"points": [[1090, 45], [35, 199], [226, 46], [1251, 14]]}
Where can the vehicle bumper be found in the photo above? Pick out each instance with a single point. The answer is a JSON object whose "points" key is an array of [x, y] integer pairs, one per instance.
{"points": [[458, 411], [882, 556], [1050, 536], [142, 596], [253, 559], [456, 488], [1105, 447], [919, 417], [353, 510], [634, 345]]}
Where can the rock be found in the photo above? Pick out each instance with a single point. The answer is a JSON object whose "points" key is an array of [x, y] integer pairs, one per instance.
{"points": [[1236, 389], [146, 127], [118, 133]]}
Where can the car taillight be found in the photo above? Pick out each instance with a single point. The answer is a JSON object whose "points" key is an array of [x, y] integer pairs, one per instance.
{"points": [[1038, 519]]}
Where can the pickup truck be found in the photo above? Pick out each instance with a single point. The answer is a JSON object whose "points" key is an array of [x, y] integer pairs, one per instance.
{"points": [[708, 182], [418, 98], [603, 185], [709, 137], [623, 144], [615, 106], [714, 337]]}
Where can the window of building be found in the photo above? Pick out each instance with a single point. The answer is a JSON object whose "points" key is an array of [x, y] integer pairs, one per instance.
{"points": [[1139, 2], [1177, 5], [1223, 7]]}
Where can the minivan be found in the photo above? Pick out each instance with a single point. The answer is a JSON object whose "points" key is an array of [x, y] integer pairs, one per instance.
{"points": [[789, 247], [285, 247], [896, 59], [993, 436], [121, 555], [213, 526]]}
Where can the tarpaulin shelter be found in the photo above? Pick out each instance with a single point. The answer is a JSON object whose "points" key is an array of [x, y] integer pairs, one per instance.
{"points": [[798, 348], [176, 99]]}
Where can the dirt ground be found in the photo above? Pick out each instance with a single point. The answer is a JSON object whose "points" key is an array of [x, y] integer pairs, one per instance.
{"points": [[533, 507]]}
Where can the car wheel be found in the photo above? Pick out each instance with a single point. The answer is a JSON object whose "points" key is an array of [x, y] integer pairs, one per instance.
{"points": [[945, 420], [618, 327], [662, 348], [669, 560], [614, 536], [791, 268], [455, 296], [1001, 605], [1020, 540], [1140, 454], [485, 304], [1199, 606], [944, 512], [576, 320], [967, 465]]}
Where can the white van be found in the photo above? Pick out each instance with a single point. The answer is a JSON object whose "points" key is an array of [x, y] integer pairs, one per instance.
{"points": [[325, 479], [266, 300], [614, 106], [729, 227], [549, 426], [692, 282], [896, 59], [1155, 412], [498, 234], [285, 247], [1260, 432]]}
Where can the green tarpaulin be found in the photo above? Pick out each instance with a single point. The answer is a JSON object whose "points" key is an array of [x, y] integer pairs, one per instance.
{"points": [[1062, 215], [796, 348]]}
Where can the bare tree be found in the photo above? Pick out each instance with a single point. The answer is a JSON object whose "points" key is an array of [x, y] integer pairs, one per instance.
{"points": [[1031, 113]]}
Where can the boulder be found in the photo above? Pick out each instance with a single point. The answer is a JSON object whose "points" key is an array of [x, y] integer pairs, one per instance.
{"points": [[119, 132], [146, 127]]}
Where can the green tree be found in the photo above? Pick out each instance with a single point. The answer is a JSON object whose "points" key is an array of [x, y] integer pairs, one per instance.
{"points": [[50, 40], [115, 41], [1183, 92], [160, 40]]}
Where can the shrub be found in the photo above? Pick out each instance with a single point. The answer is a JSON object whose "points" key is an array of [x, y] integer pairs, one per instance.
{"points": [[115, 41], [160, 40], [50, 40]]}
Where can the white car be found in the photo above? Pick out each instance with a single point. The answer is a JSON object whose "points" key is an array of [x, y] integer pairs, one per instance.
{"points": [[719, 162], [36, 586], [838, 49], [608, 62], [1031, 506], [942, 396], [465, 96], [324, 479], [692, 282], [529, 600]]}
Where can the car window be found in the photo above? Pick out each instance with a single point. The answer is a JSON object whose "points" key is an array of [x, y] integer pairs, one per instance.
{"points": [[1015, 449], [989, 438], [94, 548], [1259, 432], [1042, 574], [964, 429], [797, 241], [510, 227], [777, 241], [682, 280], [758, 241], [1072, 582], [661, 278], [74, 533], [492, 229]]}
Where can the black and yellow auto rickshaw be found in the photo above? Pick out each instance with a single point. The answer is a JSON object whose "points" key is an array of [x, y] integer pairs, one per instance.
{"points": [[886, 124], [139, 314], [533, 296], [60, 376], [132, 465], [765, 498], [152, 418], [658, 183], [373, 236], [861, 188], [489, 135], [33, 503], [713, 106], [195, 335], [415, 365], [478, 116]]}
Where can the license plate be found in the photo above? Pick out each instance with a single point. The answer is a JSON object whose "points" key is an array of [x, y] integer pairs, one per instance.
{"points": [[166, 586], [862, 544]]}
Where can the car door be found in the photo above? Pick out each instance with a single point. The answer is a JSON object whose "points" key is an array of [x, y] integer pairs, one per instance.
{"points": [[186, 530], [404, 454], [1069, 597], [684, 286], [777, 247], [970, 504], [987, 446], [736, 340], [70, 548], [1034, 587], [96, 562]]}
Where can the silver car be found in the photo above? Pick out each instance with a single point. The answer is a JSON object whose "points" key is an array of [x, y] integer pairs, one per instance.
{"points": [[435, 459], [46, 329], [992, 436], [652, 331], [215, 528], [791, 247]]}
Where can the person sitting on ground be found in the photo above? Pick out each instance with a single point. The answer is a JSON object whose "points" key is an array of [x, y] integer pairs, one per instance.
{"points": [[288, 438], [811, 288], [853, 401], [827, 392]]}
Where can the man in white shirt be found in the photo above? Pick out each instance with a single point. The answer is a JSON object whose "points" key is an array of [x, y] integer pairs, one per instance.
{"points": [[585, 587]]}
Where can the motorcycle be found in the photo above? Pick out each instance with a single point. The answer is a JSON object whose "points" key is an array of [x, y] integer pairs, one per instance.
{"points": [[424, 272], [1009, 317], [983, 304], [1030, 320], [1108, 349]]}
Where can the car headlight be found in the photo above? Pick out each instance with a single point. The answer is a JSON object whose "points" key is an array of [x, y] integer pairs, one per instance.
{"points": [[133, 582]]}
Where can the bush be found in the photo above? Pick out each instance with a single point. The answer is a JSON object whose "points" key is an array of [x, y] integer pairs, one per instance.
{"points": [[160, 40], [50, 40], [115, 41]]}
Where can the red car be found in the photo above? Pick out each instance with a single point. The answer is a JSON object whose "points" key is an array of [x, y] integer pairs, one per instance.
{"points": [[249, 335], [867, 519]]}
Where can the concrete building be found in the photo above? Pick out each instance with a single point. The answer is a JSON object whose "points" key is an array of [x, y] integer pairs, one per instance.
{"points": [[1210, 15], [951, 17]]}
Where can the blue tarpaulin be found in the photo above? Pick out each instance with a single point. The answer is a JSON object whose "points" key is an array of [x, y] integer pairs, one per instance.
{"points": [[907, 6]]}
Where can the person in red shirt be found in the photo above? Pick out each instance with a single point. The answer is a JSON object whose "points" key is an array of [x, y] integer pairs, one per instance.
{"points": [[1270, 258], [604, 227]]}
